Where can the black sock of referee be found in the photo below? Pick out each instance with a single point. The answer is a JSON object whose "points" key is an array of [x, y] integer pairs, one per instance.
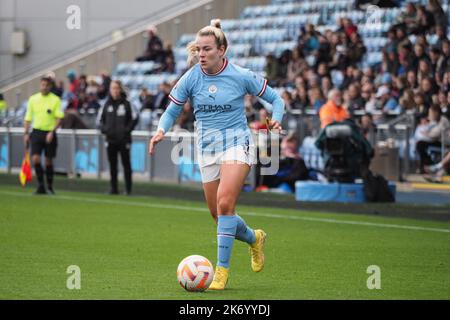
{"points": [[39, 174], [49, 173]]}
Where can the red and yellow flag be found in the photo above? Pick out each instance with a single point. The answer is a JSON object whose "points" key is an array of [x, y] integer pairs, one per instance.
{"points": [[25, 172]]}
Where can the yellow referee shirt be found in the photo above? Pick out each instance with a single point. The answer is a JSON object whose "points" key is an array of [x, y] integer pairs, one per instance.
{"points": [[43, 111], [2, 105]]}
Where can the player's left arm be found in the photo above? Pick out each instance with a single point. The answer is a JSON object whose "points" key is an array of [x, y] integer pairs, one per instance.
{"points": [[258, 86], [271, 96], [59, 114]]}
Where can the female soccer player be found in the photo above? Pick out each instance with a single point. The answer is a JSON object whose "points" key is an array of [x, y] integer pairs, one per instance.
{"points": [[216, 89]]}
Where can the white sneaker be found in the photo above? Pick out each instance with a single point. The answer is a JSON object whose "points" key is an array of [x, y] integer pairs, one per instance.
{"points": [[432, 168], [437, 177]]}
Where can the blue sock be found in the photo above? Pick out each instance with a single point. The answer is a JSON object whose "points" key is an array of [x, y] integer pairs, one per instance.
{"points": [[226, 231], [243, 232]]}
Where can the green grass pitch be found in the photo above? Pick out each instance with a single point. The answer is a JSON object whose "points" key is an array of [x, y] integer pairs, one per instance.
{"points": [[130, 247]]}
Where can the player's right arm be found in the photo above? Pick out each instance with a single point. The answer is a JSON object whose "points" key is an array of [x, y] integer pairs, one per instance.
{"points": [[166, 122], [178, 97]]}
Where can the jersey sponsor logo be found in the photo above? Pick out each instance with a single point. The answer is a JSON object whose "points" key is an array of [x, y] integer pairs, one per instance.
{"points": [[212, 89], [214, 108]]}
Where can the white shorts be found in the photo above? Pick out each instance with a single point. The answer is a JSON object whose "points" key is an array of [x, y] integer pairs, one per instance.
{"points": [[210, 164]]}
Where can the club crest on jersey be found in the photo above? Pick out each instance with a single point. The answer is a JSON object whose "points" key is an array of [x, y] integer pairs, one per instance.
{"points": [[212, 89], [121, 110]]}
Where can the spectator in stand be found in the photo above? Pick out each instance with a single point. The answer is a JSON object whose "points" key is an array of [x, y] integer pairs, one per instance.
{"points": [[367, 126], [421, 105], [444, 60], [407, 18], [288, 101], [57, 88], [161, 99], [292, 167], [356, 101], [92, 86], [435, 54], [356, 49], [441, 35], [103, 89], [439, 17], [271, 69], [146, 99], [399, 86], [295, 65], [391, 62], [448, 105], [316, 98], [72, 120], [424, 71], [444, 104], [349, 28], [431, 135], [309, 42], [385, 101], [424, 21], [428, 89], [82, 85], [283, 66], [367, 91], [402, 38], [445, 84], [438, 170], [154, 51], [326, 85], [300, 97], [419, 54], [74, 83], [407, 103], [333, 110], [90, 105], [391, 43], [169, 65], [323, 53], [411, 80]]}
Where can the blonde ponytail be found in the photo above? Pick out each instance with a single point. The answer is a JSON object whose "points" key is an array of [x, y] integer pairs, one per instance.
{"points": [[215, 23], [192, 51]]}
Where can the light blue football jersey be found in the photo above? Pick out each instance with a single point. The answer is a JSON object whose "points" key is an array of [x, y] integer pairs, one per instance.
{"points": [[218, 104]]}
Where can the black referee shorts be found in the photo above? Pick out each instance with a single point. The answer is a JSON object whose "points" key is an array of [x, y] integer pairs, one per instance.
{"points": [[39, 143]]}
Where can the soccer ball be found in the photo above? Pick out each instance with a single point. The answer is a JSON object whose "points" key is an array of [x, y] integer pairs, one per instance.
{"points": [[195, 273]]}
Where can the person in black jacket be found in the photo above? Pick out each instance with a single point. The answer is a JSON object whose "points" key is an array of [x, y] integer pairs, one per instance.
{"points": [[116, 123]]}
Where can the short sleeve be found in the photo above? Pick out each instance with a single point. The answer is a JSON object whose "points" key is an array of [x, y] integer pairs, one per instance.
{"points": [[181, 91], [29, 113], [58, 112], [255, 84]]}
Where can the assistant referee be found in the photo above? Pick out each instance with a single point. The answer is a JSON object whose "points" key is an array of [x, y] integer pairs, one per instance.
{"points": [[45, 114]]}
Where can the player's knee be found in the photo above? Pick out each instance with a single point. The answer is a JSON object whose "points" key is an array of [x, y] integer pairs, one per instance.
{"points": [[36, 159], [225, 204]]}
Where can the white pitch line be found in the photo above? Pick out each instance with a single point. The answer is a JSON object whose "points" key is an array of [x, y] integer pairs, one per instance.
{"points": [[255, 214]]}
